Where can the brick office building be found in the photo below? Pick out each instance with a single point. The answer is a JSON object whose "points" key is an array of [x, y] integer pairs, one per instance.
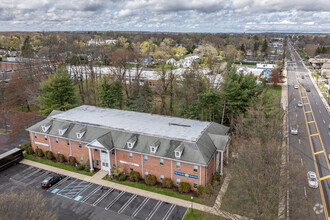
{"points": [[184, 150]]}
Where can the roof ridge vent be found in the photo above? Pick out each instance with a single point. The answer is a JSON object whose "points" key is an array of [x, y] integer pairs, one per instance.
{"points": [[181, 125]]}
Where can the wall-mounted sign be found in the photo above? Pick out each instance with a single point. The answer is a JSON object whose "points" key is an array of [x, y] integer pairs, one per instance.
{"points": [[185, 175], [129, 163], [39, 143]]}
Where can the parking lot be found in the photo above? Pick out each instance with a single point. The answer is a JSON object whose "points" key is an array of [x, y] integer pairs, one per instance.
{"points": [[92, 196]]}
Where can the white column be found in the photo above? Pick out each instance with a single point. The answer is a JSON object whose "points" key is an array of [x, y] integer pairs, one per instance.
{"points": [[217, 162], [109, 168], [90, 160], [221, 169]]}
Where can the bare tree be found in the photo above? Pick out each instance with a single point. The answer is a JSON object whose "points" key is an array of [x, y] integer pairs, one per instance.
{"points": [[28, 204]]}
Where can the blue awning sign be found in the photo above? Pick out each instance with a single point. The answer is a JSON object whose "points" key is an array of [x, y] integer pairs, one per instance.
{"points": [[185, 175]]}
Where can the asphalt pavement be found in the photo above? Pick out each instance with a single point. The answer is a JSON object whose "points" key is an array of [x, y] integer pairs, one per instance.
{"points": [[311, 145]]}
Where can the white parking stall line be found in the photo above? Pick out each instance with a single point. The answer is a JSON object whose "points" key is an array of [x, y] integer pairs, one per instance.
{"points": [[154, 210], [127, 203], [305, 191], [66, 186], [170, 210], [140, 207], [299, 141], [320, 111], [91, 193], [115, 200], [302, 162], [27, 176], [103, 196], [57, 184], [323, 121]]}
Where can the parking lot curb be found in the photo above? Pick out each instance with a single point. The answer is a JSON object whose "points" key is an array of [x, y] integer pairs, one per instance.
{"points": [[97, 179]]}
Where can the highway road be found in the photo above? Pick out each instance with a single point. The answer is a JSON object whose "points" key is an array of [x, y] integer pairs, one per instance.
{"points": [[308, 149]]}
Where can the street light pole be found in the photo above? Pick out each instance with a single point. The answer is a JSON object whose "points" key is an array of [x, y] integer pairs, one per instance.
{"points": [[192, 203]]}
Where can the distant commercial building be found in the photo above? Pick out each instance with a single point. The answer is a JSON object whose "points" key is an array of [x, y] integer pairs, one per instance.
{"points": [[184, 150]]}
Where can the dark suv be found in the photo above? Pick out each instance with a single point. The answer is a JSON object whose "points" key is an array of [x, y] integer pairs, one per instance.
{"points": [[50, 181]]}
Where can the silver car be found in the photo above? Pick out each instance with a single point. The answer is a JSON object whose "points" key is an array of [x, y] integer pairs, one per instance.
{"points": [[294, 131], [299, 104], [296, 86], [312, 180]]}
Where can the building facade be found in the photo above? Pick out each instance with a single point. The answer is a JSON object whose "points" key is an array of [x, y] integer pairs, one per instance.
{"points": [[184, 150]]}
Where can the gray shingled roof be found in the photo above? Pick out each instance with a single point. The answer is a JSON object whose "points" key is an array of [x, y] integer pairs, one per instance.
{"points": [[212, 138]]}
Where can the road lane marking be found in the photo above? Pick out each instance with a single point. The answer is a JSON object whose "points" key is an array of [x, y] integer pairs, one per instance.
{"points": [[323, 121], [311, 122], [300, 141], [325, 177], [314, 134], [308, 112], [320, 111], [314, 159], [305, 191], [319, 152], [302, 162]]}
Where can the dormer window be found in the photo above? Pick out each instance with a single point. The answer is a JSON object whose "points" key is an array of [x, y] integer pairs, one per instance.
{"points": [[80, 134], [45, 127], [154, 147], [62, 130], [178, 151], [131, 142]]}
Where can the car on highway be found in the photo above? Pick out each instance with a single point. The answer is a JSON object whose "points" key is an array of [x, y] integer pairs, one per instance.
{"points": [[312, 179], [294, 131], [299, 104], [302, 77], [50, 181], [296, 86], [308, 90]]}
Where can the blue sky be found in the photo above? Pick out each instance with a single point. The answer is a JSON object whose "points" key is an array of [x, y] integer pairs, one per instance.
{"points": [[166, 15]]}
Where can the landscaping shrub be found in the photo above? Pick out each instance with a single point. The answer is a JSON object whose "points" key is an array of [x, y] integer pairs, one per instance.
{"points": [[216, 178], [49, 155], [39, 152], [60, 158], [122, 177], [87, 166], [200, 190], [134, 176], [72, 161], [116, 171], [167, 183], [150, 180], [184, 187], [24, 146], [208, 189], [29, 150], [80, 167]]}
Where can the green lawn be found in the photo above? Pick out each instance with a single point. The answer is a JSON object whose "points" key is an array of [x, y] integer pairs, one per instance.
{"points": [[54, 164], [3, 131], [193, 214], [207, 200]]}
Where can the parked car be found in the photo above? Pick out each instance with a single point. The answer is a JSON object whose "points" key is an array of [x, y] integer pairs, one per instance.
{"points": [[312, 179], [296, 86], [302, 77], [294, 131], [50, 181], [308, 90], [299, 104]]}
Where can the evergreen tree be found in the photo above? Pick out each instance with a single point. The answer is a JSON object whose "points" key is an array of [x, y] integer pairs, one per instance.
{"points": [[27, 50], [58, 92], [111, 94], [141, 101], [264, 46], [242, 48]]}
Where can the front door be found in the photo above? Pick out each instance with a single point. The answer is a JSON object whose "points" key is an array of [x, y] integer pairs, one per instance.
{"points": [[104, 160]]}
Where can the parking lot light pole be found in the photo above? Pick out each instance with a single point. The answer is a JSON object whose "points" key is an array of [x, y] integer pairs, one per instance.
{"points": [[192, 203]]}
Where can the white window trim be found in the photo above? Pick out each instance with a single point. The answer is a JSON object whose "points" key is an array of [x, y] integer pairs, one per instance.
{"points": [[176, 165], [145, 158], [160, 177], [178, 182], [196, 168], [194, 185], [178, 154], [45, 128], [130, 155], [80, 135], [130, 145], [62, 131], [161, 163]]}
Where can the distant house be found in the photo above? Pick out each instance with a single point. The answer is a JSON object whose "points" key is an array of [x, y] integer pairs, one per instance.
{"points": [[186, 62], [325, 70], [249, 52], [172, 61], [99, 42], [148, 61]]}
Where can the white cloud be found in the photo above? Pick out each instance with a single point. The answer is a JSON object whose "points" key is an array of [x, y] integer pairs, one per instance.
{"points": [[164, 15]]}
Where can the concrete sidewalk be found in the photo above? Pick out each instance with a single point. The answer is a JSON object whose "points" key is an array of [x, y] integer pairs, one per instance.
{"points": [[98, 179]]}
